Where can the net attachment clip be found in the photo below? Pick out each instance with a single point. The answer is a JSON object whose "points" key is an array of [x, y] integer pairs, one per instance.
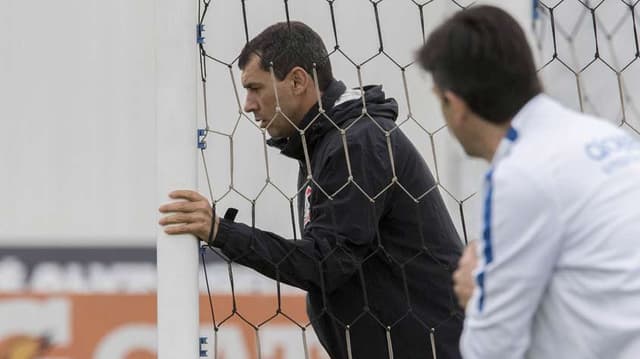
{"points": [[200, 37], [202, 135], [203, 352]]}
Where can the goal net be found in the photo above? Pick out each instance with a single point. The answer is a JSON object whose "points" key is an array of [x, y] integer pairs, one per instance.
{"points": [[587, 53]]}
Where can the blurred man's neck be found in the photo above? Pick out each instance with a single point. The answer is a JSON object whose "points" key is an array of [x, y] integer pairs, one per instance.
{"points": [[490, 139]]}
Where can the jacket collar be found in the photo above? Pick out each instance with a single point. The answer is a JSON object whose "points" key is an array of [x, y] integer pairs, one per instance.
{"points": [[293, 146]]}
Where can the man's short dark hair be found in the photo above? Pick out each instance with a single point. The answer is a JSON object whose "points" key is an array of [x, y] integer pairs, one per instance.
{"points": [[481, 54], [287, 45]]}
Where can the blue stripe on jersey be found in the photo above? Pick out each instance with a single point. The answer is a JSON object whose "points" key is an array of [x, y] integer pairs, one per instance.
{"points": [[486, 238], [512, 136]]}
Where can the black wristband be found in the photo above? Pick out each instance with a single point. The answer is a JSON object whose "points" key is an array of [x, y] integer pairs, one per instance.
{"points": [[213, 225]]}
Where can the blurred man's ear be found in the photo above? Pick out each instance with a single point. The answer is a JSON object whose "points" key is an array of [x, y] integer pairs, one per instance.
{"points": [[458, 108], [445, 99]]}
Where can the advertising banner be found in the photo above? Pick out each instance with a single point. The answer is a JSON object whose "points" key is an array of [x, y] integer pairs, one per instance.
{"points": [[88, 303]]}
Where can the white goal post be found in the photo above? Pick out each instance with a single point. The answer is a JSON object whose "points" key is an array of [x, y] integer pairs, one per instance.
{"points": [[176, 106]]}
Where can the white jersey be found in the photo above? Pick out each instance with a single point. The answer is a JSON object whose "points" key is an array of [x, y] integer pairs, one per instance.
{"points": [[559, 272]]}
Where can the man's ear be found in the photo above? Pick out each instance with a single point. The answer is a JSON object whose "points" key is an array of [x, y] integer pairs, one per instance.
{"points": [[299, 80], [458, 108]]}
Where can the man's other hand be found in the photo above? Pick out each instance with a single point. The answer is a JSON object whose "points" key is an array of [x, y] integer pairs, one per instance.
{"points": [[463, 279]]}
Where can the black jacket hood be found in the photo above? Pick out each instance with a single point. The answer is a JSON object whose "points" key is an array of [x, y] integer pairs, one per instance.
{"points": [[377, 105]]}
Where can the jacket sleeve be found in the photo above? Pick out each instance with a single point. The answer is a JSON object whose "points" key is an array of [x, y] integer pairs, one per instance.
{"points": [[342, 228], [518, 251]]}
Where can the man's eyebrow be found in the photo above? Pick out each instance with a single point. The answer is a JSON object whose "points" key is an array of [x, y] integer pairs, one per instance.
{"points": [[251, 85]]}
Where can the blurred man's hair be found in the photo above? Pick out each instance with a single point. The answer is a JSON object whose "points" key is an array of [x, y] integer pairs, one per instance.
{"points": [[288, 45], [481, 54]]}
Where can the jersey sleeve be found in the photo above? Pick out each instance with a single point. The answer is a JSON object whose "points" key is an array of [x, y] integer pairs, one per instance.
{"points": [[518, 250]]}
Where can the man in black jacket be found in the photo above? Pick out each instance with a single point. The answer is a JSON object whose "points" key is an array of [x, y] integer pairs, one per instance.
{"points": [[378, 246]]}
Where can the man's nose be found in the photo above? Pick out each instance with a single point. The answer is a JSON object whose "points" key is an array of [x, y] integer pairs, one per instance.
{"points": [[250, 105]]}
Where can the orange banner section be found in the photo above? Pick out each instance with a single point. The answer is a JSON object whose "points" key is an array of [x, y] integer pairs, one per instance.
{"points": [[123, 327]]}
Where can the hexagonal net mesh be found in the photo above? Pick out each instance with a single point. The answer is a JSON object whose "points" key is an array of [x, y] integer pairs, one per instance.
{"points": [[587, 53]]}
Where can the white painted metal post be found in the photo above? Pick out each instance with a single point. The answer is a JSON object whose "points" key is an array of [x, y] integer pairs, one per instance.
{"points": [[177, 256]]}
